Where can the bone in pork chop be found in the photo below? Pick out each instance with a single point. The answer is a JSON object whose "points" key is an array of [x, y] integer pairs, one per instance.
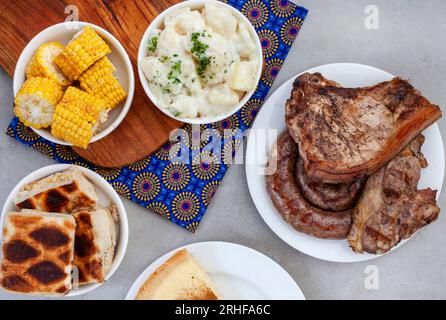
{"points": [[391, 208], [345, 134]]}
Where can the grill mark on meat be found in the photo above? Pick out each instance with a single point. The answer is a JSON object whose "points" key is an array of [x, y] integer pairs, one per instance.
{"points": [[294, 208]]}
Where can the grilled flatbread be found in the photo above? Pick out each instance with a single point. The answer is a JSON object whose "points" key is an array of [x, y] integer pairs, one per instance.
{"points": [[37, 253], [94, 245], [179, 278], [61, 192]]}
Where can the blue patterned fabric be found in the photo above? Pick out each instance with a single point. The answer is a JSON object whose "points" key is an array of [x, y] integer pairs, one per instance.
{"points": [[182, 191]]}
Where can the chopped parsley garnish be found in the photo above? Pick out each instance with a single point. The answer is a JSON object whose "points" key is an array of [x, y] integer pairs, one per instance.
{"points": [[164, 59], [153, 44], [199, 51], [177, 114], [175, 71]]}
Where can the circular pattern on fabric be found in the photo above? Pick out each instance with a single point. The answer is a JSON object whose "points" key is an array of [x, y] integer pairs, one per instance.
{"points": [[146, 186], [271, 71], [250, 111], [205, 165], [25, 133], [10, 131], [108, 173], [140, 165], [160, 208], [43, 148], [83, 164], [121, 188], [290, 29], [282, 8], [227, 127], [269, 41], [185, 206], [229, 150], [164, 152], [65, 153], [256, 11], [192, 227], [209, 191], [198, 137], [176, 176]]}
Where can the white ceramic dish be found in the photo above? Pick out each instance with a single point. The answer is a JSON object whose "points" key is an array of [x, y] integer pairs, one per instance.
{"points": [[272, 116], [107, 195], [63, 32], [239, 273], [158, 24]]}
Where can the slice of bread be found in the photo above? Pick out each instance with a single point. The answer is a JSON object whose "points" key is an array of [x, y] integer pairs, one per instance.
{"points": [[62, 192], [37, 253], [179, 278]]}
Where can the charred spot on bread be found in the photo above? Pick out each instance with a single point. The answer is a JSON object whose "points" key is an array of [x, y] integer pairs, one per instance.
{"points": [[16, 283], [50, 237], [46, 272], [18, 251], [55, 200]]}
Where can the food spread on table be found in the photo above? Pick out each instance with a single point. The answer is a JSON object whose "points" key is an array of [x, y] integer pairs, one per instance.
{"points": [[349, 162], [59, 228], [202, 63], [70, 88]]}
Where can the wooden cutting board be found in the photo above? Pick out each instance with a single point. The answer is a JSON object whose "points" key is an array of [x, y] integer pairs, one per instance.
{"points": [[145, 128]]}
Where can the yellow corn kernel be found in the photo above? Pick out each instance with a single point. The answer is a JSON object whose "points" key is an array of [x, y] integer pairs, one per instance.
{"points": [[35, 102], [42, 64], [77, 117], [85, 49], [98, 80]]}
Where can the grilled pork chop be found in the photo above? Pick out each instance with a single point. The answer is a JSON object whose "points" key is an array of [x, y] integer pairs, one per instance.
{"points": [[345, 134], [391, 208]]}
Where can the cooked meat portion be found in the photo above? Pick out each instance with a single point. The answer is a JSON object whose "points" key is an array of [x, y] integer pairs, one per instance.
{"points": [[288, 200], [328, 196], [37, 253], [391, 208], [345, 134]]}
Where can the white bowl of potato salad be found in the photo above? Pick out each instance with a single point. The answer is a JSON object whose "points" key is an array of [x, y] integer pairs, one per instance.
{"points": [[200, 61]]}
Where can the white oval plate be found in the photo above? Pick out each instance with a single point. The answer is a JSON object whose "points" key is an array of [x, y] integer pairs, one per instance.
{"points": [[272, 116], [107, 195], [63, 32], [239, 273]]}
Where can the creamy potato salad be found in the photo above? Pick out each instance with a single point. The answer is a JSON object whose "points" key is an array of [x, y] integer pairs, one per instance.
{"points": [[202, 63]]}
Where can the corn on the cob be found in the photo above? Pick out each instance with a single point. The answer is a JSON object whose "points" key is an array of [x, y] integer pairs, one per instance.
{"points": [[85, 48], [77, 117], [98, 80], [36, 101], [42, 64]]}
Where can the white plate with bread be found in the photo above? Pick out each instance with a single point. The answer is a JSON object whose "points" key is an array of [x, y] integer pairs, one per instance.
{"points": [[214, 271], [64, 233]]}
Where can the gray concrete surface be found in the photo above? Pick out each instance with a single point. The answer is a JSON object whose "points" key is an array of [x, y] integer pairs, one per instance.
{"points": [[411, 42]]}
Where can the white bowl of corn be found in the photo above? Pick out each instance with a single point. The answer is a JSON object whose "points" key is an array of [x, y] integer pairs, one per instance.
{"points": [[73, 84]]}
